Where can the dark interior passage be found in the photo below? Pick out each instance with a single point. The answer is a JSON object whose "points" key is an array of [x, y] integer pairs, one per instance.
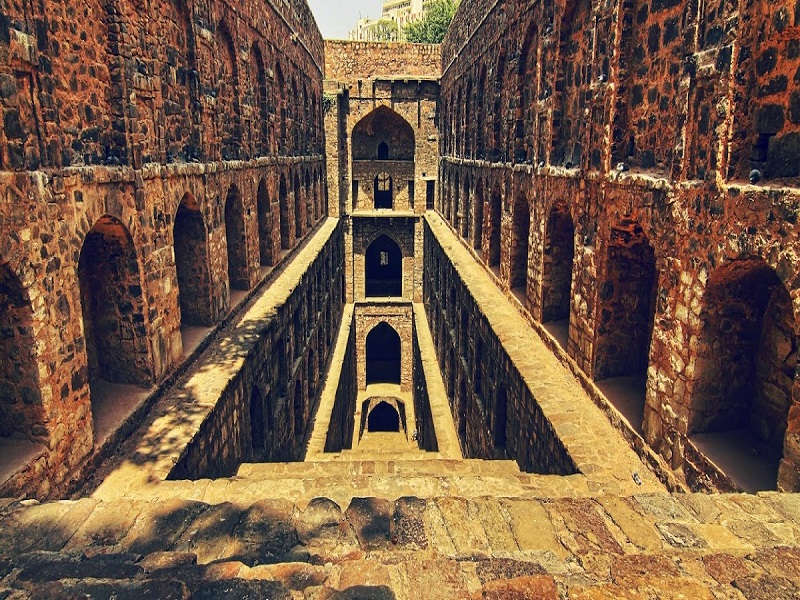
{"points": [[384, 191], [384, 268], [235, 238], [559, 253], [627, 304], [383, 417], [21, 409], [191, 264], [746, 365], [383, 355], [113, 305]]}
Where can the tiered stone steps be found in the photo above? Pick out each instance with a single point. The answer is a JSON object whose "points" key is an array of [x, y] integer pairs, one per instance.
{"points": [[646, 546]]}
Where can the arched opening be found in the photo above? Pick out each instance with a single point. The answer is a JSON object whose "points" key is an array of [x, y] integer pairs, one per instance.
{"points": [[527, 79], [21, 411], [383, 191], [477, 212], [381, 126], [257, 433], [463, 407], [384, 417], [746, 365], [497, 111], [383, 151], [283, 141], [518, 278], [627, 302], [383, 268], [227, 93], [191, 263], [259, 78], [298, 208], [467, 213], [309, 204], [112, 303], [299, 412], [264, 209], [285, 223], [495, 227], [500, 419], [234, 237], [383, 355], [559, 254]]}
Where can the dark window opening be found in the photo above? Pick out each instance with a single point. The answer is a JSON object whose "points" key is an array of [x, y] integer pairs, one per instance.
{"points": [[383, 417], [383, 355], [383, 151], [384, 268], [384, 191]]}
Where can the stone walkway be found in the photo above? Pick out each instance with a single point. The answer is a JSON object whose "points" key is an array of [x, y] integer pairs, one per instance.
{"points": [[652, 546]]}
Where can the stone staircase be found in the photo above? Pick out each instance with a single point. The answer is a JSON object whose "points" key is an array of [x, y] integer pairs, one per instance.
{"points": [[638, 547]]}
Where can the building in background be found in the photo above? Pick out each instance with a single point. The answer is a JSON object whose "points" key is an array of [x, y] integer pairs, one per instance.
{"points": [[396, 14]]}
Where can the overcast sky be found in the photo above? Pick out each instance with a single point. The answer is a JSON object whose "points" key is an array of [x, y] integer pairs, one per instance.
{"points": [[336, 17]]}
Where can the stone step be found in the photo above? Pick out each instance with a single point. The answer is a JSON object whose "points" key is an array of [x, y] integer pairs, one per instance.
{"points": [[435, 467], [648, 546]]}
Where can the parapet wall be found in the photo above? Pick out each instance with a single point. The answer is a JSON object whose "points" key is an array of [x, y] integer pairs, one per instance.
{"points": [[347, 62]]}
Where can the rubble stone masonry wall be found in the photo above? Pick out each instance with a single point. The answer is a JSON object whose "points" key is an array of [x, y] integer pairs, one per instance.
{"points": [[153, 156], [639, 158]]}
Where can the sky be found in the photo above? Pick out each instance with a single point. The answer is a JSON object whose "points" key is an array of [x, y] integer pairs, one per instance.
{"points": [[336, 17]]}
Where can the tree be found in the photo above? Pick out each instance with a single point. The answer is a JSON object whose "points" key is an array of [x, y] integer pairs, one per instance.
{"points": [[385, 30], [432, 28]]}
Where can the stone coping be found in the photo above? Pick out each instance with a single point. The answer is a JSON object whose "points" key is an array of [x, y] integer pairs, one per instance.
{"points": [[599, 451]]}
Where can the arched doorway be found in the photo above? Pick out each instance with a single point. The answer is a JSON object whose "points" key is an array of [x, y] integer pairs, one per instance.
{"points": [[235, 239], [383, 151], [191, 263], [383, 191], [383, 268], [285, 223], [495, 226], [745, 374], [264, 209], [384, 417], [383, 355], [21, 411], [112, 302], [518, 281], [557, 260], [626, 308]]}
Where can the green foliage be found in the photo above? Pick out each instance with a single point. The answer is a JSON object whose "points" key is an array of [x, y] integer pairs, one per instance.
{"points": [[432, 28], [328, 101], [385, 30]]}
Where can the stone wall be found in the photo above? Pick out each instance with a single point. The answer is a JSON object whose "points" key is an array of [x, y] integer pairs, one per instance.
{"points": [[264, 413], [151, 159], [347, 62], [660, 148], [494, 409]]}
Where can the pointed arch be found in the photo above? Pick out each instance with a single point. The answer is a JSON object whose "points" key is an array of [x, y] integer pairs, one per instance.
{"points": [[383, 352], [383, 268], [227, 82], [383, 125], [264, 209], [190, 243], [113, 305], [285, 221], [235, 240], [21, 410]]}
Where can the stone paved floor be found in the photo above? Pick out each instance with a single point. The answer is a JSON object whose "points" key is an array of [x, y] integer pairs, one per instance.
{"points": [[650, 546]]}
